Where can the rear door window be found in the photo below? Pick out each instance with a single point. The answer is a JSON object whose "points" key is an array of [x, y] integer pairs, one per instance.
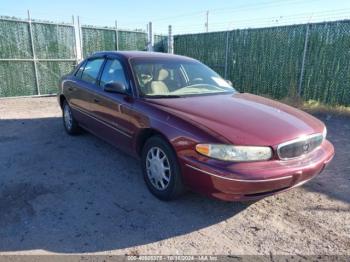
{"points": [[91, 70], [79, 72]]}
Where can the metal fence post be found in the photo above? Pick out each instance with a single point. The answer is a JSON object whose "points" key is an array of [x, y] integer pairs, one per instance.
{"points": [[33, 53], [116, 36], [80, 38], [226, 53], [75, 41], [78, 55], [170, 41], [303, 60], [150, 38]]}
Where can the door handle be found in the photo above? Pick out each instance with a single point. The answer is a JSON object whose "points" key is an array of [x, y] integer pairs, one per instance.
{"points": [[96, 100]]}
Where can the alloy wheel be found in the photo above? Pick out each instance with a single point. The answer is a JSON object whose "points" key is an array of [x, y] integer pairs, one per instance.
{"points": [[158, 168], [68, 119]]}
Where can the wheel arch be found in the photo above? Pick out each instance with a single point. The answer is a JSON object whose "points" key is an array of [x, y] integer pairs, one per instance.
{"points": [[62, 98], [144, 135]]}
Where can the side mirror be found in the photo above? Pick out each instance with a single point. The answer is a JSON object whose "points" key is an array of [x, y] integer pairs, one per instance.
{"points": [[115, 87]]}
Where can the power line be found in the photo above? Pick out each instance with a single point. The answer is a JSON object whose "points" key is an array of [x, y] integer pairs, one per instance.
{"points": [[262, 5], [215, 10], [245, 7], [260, 25], [255, 22], [335, 14]]}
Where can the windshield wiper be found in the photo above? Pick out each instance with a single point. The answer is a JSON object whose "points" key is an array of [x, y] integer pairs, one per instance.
{"points": [[162, 96]]}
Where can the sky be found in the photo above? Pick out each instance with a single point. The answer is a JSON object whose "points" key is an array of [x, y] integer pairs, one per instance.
{"points": [[185, 16]]}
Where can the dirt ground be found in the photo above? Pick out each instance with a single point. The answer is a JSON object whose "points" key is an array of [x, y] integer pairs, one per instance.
{"points": [[78, 194]]}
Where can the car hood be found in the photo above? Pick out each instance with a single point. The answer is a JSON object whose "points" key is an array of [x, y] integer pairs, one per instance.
{"points": [[243, 119]]}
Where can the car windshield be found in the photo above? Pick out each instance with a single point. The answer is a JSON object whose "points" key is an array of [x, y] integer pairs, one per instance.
{"points": [[159, 78]]}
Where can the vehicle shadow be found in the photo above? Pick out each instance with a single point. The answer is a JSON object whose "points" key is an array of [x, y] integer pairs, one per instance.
{"points": [[78, 194]]}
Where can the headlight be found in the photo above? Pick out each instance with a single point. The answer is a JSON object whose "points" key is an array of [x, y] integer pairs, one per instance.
{"points": [[235, 153], [324, 133]]}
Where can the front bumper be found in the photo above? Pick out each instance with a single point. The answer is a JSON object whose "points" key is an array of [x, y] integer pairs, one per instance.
{"points": [[253, 180]]}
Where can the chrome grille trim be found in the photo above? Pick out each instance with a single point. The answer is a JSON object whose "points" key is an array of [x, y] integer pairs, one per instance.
{"points": [[298, 140]]}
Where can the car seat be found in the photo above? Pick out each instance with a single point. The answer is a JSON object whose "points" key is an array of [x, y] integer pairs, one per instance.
{"points": [[158, 86]]}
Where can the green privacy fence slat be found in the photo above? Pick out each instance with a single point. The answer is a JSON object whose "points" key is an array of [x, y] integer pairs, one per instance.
{"points": [[257, 58], [262, 61], [97, 40], [327, 68], [160, 43], [132, 40], [14, 40], [49, 74], [17, 79], [208, 48], [268, 60], [53, 41]]}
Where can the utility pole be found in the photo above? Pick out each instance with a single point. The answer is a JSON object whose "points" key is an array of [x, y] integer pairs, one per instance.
{"points": [[207, 22]]}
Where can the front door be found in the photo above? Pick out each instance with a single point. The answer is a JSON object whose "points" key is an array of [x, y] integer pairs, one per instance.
{"points": [[111, 109]]}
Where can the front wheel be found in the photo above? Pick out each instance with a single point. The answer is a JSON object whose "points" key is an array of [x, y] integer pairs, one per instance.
{"points": [[69, 122], [161, 170]]}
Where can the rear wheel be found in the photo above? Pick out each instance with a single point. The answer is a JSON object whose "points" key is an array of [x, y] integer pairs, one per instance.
{"points": [[69, 122], [161, 170]]}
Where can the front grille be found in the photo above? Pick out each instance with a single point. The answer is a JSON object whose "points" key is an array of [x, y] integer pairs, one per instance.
{"points": [[299, 147]]}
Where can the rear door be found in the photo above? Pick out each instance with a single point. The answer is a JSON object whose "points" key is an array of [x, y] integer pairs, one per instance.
{"points": [[82, 90]]}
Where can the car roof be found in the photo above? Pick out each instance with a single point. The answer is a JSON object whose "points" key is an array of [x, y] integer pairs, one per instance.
{"points": [[142, 54]]}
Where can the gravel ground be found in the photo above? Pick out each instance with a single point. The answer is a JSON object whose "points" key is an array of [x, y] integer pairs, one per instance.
{"points": [[78, 194]]}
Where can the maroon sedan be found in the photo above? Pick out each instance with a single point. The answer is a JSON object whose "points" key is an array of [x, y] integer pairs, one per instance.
{"points": [[191, 128]]}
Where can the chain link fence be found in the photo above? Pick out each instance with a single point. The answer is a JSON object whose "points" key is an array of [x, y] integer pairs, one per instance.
{"points": [[35, 54], [310, 60]]}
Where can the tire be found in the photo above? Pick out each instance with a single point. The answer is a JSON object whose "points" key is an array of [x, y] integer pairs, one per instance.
{"points": [[70, 124], [159, 163]]}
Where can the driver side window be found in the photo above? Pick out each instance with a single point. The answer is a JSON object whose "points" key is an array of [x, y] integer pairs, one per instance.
{"points": [[113, 72]]}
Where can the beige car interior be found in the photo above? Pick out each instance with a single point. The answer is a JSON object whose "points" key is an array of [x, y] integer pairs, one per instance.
{"points": [[158, 86]]}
